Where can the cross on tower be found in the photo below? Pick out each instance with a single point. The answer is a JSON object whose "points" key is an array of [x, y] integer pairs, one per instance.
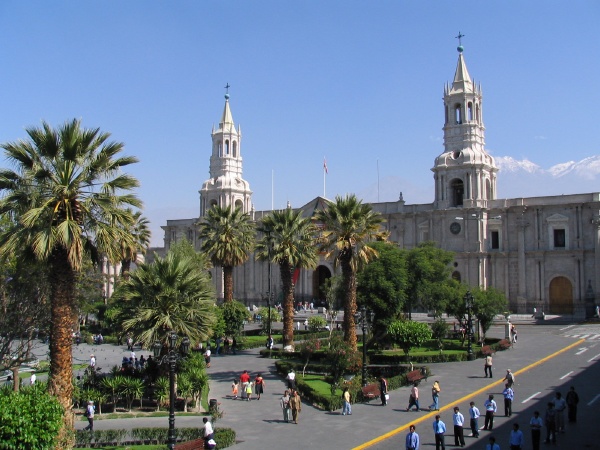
{"points": [[459, 37], [227, 88]]}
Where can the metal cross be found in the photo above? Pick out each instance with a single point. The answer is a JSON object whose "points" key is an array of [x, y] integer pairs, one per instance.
{"points": [[227, 87], [459, 37]]}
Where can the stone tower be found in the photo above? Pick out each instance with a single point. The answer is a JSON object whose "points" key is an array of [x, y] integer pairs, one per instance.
{"points": [[465, 174], [226, 186]]}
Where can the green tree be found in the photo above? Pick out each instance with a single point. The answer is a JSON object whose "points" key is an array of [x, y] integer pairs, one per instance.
{"points": [[161, 392], [349, 226], [316, 323], [341, 358], [333, 292], [68, 197], [408, 334], [193, 376], [382, 287], [287, 240], [429, 272], [487, 304], [263, 312], [439, 330], [132, 388], [234, 314], [139, 230], [169, 294], [227, 236], [307, 349]]}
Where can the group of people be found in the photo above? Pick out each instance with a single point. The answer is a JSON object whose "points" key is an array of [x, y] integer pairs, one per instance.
{"points": [[244, 387]]}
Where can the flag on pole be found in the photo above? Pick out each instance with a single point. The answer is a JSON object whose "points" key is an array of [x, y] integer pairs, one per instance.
{"points": [[325, 165]]}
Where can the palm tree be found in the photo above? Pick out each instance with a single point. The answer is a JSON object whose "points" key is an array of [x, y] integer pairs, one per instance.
{"points": [[288, 240], [173, 293], [69, 200], [348, 227], [140, 231], [228, 238]]}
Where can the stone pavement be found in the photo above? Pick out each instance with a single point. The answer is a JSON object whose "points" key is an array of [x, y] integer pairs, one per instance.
{"points": [[259, 424]]}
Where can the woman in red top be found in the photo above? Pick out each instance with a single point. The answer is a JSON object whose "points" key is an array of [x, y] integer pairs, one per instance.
{"points": [[259, 385]]}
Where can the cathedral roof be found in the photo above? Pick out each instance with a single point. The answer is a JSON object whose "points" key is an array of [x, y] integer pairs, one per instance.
{"points": [[462, 80], [226, 123]]}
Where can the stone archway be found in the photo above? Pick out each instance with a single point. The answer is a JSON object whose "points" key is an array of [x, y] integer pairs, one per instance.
{"points": [[320, 274], [561, 296]]}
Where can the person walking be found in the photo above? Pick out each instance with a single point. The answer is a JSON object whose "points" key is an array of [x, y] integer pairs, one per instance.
{"points": [[490, 409], [32, 379], [347, 407], [207, 432], [513, 333], [492, 445], [249, 387], [207, 354], [92, 361], [259, 386], [487, 366], [474, 419], [412, 439], [536, 423], [559, 406], [572, 401], [244, 380], [458, 420], [550, 420], [234, 388], [383, 390], [435, 395], [291, 380], [414, 398], [516, 438], [439, 428], [285, 406], [296, 406], [509, 378], [509, 395], [89, 413]]}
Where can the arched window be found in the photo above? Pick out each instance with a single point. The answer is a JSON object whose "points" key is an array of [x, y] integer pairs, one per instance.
{"points": [[457, 192], [213, 202], [470, 111], [220, 148], [477, 113], [227, 147], [446, 114], [235, 149], [456, 276], [239, 204], [457, 113]]}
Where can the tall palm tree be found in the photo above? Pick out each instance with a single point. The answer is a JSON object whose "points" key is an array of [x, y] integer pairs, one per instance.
{"points": [[140, 231], [69, 199], [287, 240], [348, 227], [170, 294], [227, 236]]}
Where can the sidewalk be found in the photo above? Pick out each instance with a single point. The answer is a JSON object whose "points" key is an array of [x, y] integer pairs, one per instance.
{"points": [[259, 424]]}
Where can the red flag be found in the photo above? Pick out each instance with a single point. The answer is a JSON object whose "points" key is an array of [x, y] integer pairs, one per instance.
{"points": [[325, 165]]}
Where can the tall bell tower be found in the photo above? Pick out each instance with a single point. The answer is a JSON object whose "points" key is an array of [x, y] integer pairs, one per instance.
{"points": [[226, 187], [465, 174]]}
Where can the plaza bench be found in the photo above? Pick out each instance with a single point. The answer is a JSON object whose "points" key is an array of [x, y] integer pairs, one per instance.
{"points": [[370, 391], [415, 376], [196, 444]]}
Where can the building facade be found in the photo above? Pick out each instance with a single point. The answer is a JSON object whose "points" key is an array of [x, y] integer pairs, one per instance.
{"points": [[543, 252]]}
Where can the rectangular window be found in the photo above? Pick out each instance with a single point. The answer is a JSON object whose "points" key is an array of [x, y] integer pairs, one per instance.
{"points": [[495, 240], [559, 238]]}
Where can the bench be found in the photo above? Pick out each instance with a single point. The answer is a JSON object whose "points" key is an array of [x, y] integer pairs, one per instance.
{"points": [[415, 376], [370, 391], [504, 344], [197, 444]]}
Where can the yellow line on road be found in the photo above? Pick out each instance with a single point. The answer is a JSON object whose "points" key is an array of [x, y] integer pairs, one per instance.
{"points": [[463, 399]]}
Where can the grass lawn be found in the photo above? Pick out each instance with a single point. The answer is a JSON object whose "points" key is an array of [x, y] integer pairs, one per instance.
{"points": [[131, 447], [318, 383]]}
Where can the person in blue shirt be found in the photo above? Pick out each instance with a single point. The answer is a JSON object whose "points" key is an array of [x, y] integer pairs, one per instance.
{"points": [[439, 428], [509, 395], [516, 438], [412, 439]]}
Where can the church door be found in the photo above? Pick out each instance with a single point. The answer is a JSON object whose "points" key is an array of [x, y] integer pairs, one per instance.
{"points": [[561, 296], [321, 274]]}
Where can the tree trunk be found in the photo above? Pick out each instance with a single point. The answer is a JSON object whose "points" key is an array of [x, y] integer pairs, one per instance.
{"points": [[60, 384], [228, 283], [349, 280], [16, 379], [288, 303]]}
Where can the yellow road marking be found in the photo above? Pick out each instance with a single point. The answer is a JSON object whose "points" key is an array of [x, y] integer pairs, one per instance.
{"points": [[463, 399]]}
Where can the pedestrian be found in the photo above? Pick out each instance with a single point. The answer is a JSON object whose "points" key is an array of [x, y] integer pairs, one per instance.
{"points": [[347, 406], [383, 392], [305, 323], [296, 406], [249, 387], [572, 401], [291, 379], [413, 400], [559, 406], [412, 439], [259, 386], [132, 355], [516, 438], [435, 395], [207, 356], [513, 333], [536, 424], [234, 388], [458, 420], [509, 395], [89, 413], [226, 344], [490, 409], [534, 312], [550, 420], [492, 445], [474, 422], [92, 361], [208, 432], [439, 428], [509, 378], [270, 342], [487, 367], [32, 379], [244, 380], [285, 406]]}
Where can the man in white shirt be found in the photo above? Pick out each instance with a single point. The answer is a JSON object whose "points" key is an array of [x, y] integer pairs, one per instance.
{"points": [[208, 431], [559, 406], [291, 379], [32, 379], [458, 419], [92, 361], [474, 422], [490, 410]]}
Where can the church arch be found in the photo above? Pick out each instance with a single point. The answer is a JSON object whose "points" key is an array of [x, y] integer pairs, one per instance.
{"points": [[220, 145], [446, 114], [456, 276], [477, 113], [235, 149], [213, 202], [457, 192], [488, 189], [470, 112], [320, 275], [227, 147], [239, 204], [561, 296], [458, 113]]}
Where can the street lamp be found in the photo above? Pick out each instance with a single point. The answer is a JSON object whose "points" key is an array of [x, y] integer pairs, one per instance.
{"points": [[469, 305], [171, 358], [362, 318]]}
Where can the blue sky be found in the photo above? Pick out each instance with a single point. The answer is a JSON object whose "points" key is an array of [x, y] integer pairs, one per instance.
{"points": [[359, 82]]}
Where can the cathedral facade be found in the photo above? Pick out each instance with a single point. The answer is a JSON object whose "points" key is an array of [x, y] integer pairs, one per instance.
{"points": [[543, 252]]}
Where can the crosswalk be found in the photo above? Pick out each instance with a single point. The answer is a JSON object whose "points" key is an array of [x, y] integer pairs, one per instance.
{"points": [[587, 337], [587, 332]]}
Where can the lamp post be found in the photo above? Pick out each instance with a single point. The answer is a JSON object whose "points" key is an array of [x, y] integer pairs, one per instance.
{"points": [[362, 318], [469, 305], [171, 359]]}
